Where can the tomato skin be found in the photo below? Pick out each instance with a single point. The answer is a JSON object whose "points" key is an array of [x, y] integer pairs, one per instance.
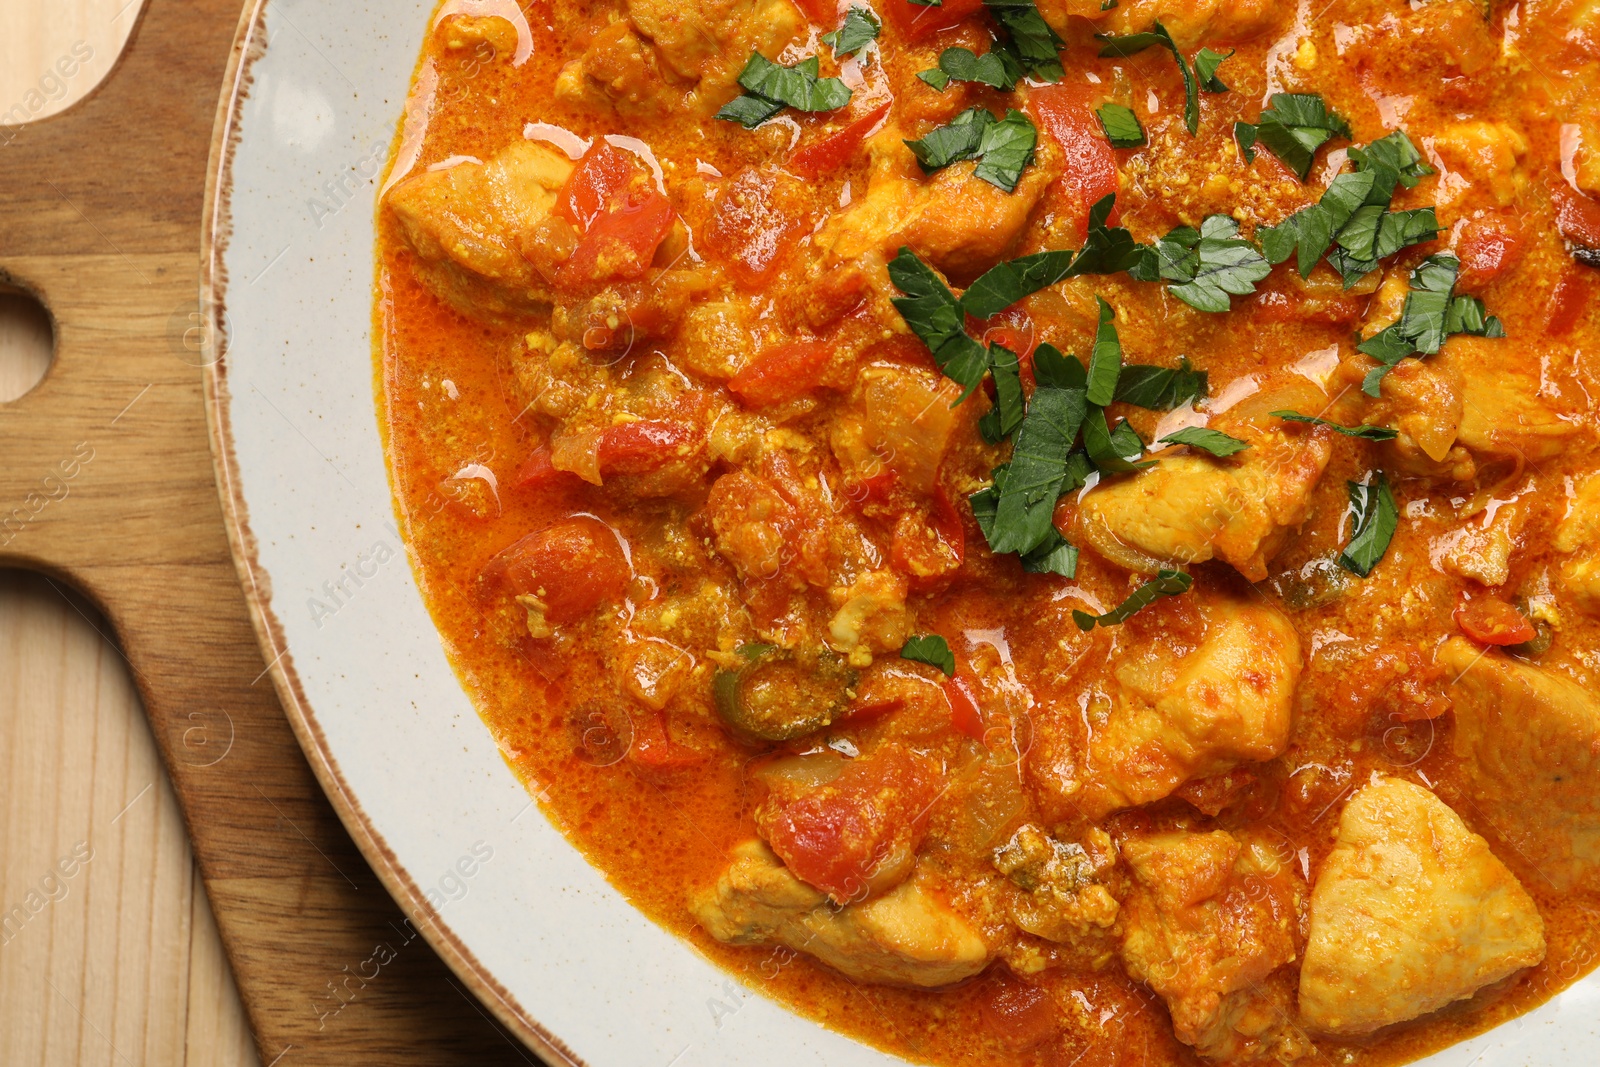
{"points": [[1577, 216], [964, 713], [1488, 248], [1574, 295], [573, 566], [644, 446], [602, 175], [780, 374], [838, 835], [916, 21], [821, 12], [1066, 113], [1022, 1016], [833, 151], [1489, 621], [621, 242], [653, 747]]}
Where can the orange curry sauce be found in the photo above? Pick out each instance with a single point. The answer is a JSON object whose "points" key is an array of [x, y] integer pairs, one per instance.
{"points": [[724, 443]]}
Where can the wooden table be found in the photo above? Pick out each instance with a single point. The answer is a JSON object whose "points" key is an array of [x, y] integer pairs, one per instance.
{"points": [[109, 949]]}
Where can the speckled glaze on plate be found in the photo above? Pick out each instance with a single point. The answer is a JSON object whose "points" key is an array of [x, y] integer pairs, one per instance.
{"points": [[307, 123]]}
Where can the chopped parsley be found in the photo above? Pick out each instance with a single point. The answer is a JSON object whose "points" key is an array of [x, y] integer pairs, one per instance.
{"points": [[998, 68], [770, 87], [1106, 251], [1374, 233], [1205, 267], [1036, 46], [1033, 482], [1206, 439], [1002, 420], [1431, 313], [1376, 516], [1105, 364], [1310, 231], [1203, 75], [1166, 583], [1002, 147], [1121, 126], [859, 29], [1161, 388], [1391, 160], [1292, 128], [1363, 432], [1112, 451], [932, 650], [937, 317]]}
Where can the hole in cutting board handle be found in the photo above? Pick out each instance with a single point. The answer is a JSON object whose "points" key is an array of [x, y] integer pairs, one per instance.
{"points": [[27, 343]]}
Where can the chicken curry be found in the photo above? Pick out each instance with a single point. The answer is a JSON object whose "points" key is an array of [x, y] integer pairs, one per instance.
{"points": [[1038, 532]]}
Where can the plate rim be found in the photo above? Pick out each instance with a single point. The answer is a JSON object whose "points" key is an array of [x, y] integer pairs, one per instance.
{"points": [[249, 46]]}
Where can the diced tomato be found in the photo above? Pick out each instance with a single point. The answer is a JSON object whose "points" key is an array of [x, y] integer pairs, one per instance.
{"points": [[821, 12], [833, 151], [653, 747], [1023, 1016], [601, 176], [872, 488], [1577, 216], [946, 522], [838, 836], [1488, 247], [1489, 621], [621, 242], [917, 20], [1574, 295], [964, 713], [778, 375], [573, 566], [644, 446], [537, 471], [1066, 112]]}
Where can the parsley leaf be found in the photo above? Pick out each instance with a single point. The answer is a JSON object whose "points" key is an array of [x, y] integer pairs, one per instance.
{"points": [[1213, 441], [937, 317], [1161, 388], [1377, 516], [1430, 314], [1311, 230], [1037, 46], [1002, 147], [749, 111], [859, 28], [1055, 555], [1108, 249], [1105, 364], [1112, 451], [1002, 420], [798, 87], [1293, 127], [1391, 160], [1121, 126], [1207, 265], [997, 67], [1364, 432], [932, 650], [1005, 283], [1166, 583], [1206, 63], [1133, 43], [1375, 233], [1038, 467]]}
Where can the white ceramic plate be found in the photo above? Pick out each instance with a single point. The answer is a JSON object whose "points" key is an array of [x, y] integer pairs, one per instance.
{"points": [[306, 124]]}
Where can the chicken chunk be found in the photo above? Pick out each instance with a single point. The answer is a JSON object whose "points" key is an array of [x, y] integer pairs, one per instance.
{"points": [[1191, 22], [701, 44], [478, 229], [1578, 537], [1177, 717], [1410, 912], [1482, 155], [898, 418], [1191, 507], [1529, 740], [1209, 925], [1503, 408], [907, 937], [1421, 402], [956, 221]]}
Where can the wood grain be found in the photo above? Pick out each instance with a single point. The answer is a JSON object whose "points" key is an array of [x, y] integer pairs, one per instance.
{"points": [[107, 488]]}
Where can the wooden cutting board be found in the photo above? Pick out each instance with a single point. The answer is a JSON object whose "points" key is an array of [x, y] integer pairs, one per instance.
{"points": [[106, 483]]}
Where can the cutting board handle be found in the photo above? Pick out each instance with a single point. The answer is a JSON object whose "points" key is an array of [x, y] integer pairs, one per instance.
{"points": [[107, 484]]}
